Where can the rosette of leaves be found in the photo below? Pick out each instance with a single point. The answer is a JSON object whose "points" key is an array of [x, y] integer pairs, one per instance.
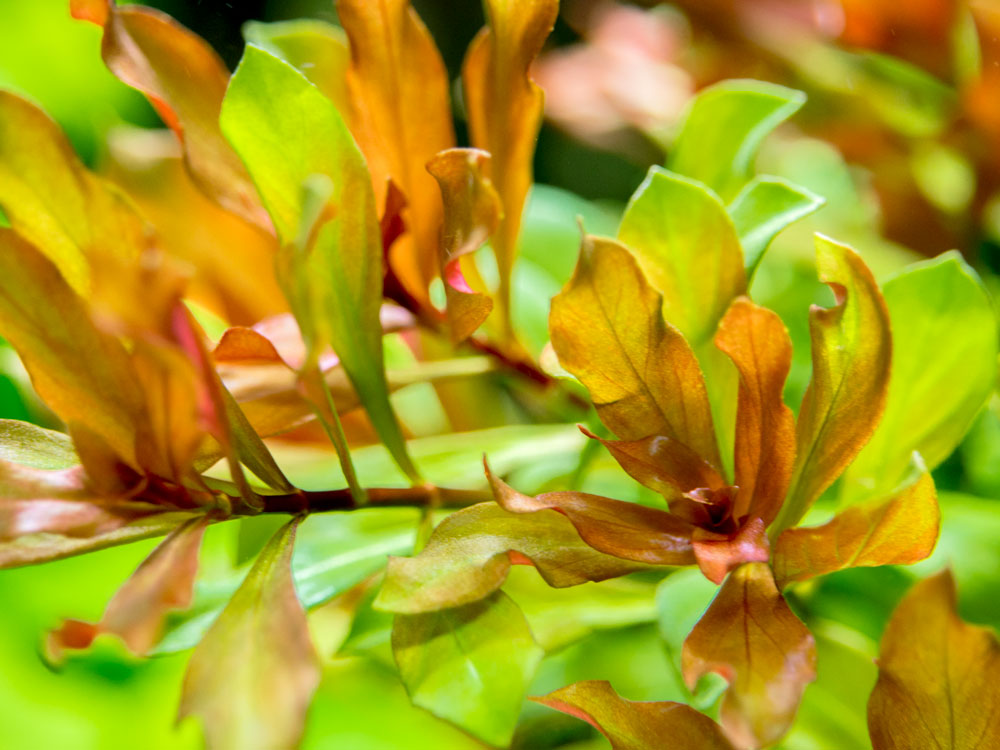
{"points": [[687, 375]]}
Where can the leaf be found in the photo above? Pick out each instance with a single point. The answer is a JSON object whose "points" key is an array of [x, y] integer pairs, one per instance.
{"points": [[43, 546], [504, 108], [333, 552], [471, 215], [758, 344], [315, 48], [287, 132], [724, 126], [52, 201], [763, 208], [688, 248], [30, 445], [626, 530], [751, 637], [851, 353], [940, 314], [401, 119], [469, 555], [608, 330], [82, 373], [163, 582], [252, 677], [936, 685], [637, 725], [185, 81], [899, 530], [470, 665]]}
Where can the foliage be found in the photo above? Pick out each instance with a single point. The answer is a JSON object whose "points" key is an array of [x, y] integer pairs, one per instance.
{"points": [[283, 333]]}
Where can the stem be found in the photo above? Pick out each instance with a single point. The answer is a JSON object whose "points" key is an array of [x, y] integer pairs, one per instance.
{"points": [[329, 419], [326, 501]]}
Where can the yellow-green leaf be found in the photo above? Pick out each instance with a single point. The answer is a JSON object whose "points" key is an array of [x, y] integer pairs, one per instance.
{"points": [[252, 677], [608, 330], [937, 683], [898, 530]]}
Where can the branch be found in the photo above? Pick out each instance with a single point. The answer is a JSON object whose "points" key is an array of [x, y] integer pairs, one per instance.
{"points": [[326, 501]]}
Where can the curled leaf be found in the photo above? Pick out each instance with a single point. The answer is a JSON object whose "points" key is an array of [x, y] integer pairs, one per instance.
{"points": [[470, 553], [751, 637], [637, 725], [608, 330], [185, 81], [937, 682], [252, 677], [471, 215], [851, 353], [401, 119], [504, 107], [899, 530]]}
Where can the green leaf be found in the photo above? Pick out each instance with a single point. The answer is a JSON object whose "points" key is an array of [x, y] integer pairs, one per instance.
{"points": [[29, 445], [334, 552], [470, 665], [944, 359], [252, 677], [317, 49], [723, 129], [688, 248], [765, 207], [288, 134]]}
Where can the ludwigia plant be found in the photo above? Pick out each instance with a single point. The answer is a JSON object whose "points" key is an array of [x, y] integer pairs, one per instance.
{"points": [[317, 203]]}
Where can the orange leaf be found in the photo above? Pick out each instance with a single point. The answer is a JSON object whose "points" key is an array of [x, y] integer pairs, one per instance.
{"points": [[469, 555], [662, 464], [899, 530], [504, 107], [471, 213], [163, 582], [608, 330], [851, 353], [717, 557], [636, 725], [82, 373], [937, 684], [757, 342], [253, 675], [185, 81], [402, 118], [751, 637], [626, 530]]}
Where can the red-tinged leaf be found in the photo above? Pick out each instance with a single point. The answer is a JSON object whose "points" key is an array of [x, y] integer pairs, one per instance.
{"points": [[637, 725], [663, 464], [163, 582], [55, 203], [238, 284], [851, 353], [44, 546], [898, 530], [402, 118], [504, 107], [82, 373], [471, 214], [608, 330], [252, 677], [751, 637], [185, 81], [469, 555], [626, 530], [757, 342], [937, 683], [717, 557]]}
